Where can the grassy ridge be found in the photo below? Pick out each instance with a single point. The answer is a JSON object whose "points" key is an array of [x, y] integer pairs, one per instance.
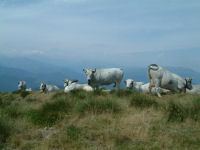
{"points": [[120, 119]]}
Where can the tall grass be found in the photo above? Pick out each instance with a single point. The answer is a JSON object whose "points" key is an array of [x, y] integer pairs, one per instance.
{"points": [[49, 113], [5, 131], [98, 105], [179, 111], [73, 132], [23, 94], [142, 101]]}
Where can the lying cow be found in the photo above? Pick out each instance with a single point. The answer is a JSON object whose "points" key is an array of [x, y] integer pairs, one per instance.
{"points": [[141, 87], [98, 77], [22, 85], [73, 85], [48, 88], [162, 78]]}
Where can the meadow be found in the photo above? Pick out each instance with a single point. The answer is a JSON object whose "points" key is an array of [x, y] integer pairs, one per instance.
{"points": [[116, 120]]}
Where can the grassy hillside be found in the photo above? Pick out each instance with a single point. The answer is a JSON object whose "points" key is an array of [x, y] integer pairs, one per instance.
{"points": [[99, 120]]}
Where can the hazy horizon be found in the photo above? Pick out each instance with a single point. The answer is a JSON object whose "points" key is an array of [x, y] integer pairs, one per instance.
{"points": [[102, 33]]}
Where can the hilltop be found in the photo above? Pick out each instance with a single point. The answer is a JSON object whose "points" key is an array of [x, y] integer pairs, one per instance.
{"points": [[99, 120]]}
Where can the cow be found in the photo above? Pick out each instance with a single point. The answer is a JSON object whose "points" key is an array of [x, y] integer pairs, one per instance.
{"points": [[98, 77], [22, 85], [131, 84], [141, 87], [162, 78], [73, 85], [48, 88]]}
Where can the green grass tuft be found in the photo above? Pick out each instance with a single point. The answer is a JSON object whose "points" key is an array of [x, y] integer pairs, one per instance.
{"points": [[142, 101], [49, 113], [73, 132], [98, 105], [5, 131], [177, 112]]}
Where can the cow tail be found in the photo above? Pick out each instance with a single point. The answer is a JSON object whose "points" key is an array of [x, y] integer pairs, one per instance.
{"points": [[152, 67]]}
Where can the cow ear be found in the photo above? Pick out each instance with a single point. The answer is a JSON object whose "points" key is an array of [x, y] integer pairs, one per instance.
{"points": [[74, 81], [93, 71]]}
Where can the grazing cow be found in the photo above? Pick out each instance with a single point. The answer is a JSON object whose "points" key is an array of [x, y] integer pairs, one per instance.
{"points": [[48, 88], [73, 85], [22, 85], [141, 87], [98, 77], [162, 78]]}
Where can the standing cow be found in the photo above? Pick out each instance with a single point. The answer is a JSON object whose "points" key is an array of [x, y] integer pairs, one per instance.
{"points": [[162, 78], [98, 77]]}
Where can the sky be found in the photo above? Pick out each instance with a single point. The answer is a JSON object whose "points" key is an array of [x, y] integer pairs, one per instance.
{"points": [[109, 32]]}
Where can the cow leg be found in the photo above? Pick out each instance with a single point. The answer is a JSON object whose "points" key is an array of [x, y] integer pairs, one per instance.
{"points": [[117, 85], [157, 87], [150, 88], [114, 84]]}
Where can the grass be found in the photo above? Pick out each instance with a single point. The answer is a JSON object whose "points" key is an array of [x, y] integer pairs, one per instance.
{"points": [[49, 113], [120, 119], [98, 105], [142, 101], [5, 131]]}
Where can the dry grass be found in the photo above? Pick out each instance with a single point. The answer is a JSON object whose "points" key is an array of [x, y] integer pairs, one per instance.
{"points": [[136, 126]]}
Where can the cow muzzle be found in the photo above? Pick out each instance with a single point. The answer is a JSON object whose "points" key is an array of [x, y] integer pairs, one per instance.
{"points": [[89, 82]]}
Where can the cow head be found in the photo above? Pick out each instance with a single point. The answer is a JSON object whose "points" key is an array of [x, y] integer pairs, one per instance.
{"points": [[68, 82], [21, 85], [90, 74], [43, 87], [129, 83], [188, 83]]}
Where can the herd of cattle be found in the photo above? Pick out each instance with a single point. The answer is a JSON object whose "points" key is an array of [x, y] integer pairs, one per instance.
{"points": [[160, 81]]}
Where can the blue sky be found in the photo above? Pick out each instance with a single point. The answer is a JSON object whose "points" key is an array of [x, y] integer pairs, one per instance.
{"points": [[109, 32]]}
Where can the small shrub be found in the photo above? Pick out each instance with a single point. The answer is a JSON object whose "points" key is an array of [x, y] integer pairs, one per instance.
{"points": [[49, 113], [98, 106], [73, 132], [5, 131], [142, 101], [177, 112]]}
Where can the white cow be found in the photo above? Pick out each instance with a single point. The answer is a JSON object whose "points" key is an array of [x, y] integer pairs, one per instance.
{"points": [[73, 85], [141, 87], [48, 88], [22, 85], [195, 90], [98, 77], [162, 78]]}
